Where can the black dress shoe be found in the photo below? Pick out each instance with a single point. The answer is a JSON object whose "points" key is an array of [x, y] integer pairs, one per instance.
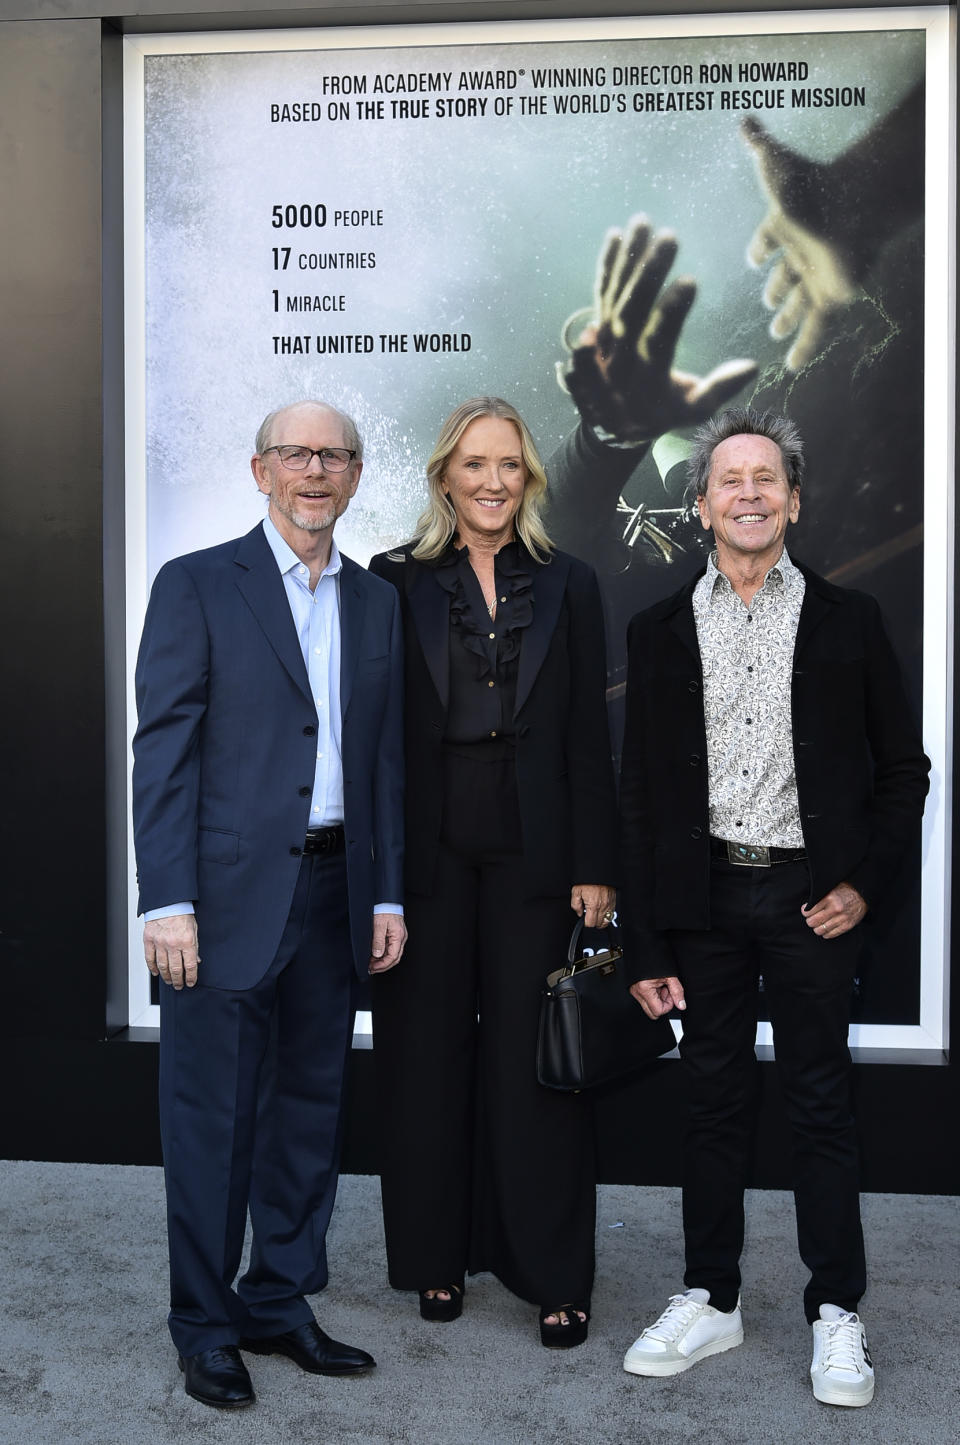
{"points": [[217, 1377], [313, 1350]]}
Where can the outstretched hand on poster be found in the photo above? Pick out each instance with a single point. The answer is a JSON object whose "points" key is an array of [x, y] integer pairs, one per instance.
{"points": [[815, 274], [621, 372], [828, 222]]}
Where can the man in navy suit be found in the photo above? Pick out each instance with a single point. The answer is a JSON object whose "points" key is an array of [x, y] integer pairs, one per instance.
{"points": [[268, 822]]}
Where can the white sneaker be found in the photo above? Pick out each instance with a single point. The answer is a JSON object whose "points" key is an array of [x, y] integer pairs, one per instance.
{"points": [[689, 1330], [842, 1371]]}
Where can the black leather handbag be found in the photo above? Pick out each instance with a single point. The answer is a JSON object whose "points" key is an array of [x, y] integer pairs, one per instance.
{"points": [[591, 1030]]}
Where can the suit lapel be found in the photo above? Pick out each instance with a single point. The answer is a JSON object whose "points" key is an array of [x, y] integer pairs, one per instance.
{"points": [[684, 627], [676, 612], [430, 609], [549, 582], [261, 587], [353, 605], [813, 610]]}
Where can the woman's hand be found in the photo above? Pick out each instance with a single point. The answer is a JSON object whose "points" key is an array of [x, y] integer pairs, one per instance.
{"points": [[594, 902]]}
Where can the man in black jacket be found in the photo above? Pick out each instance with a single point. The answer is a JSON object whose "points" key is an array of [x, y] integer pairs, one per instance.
{"points": [[772, 778]]}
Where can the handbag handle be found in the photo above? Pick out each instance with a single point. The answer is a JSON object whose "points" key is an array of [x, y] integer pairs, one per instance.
{"points": [[611, 930]]}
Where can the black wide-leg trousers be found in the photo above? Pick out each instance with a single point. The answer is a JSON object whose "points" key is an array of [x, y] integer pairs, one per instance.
{"points": [[757, 930], [482, 1167]]}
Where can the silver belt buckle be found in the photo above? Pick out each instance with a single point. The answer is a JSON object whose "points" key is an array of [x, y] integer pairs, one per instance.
{"points": [[748, 855]]}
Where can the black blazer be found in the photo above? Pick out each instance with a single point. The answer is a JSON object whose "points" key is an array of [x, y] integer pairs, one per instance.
{"points": [[860, 766], [564, 769]]}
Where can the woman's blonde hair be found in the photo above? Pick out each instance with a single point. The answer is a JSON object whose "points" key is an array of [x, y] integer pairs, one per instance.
{"points": [[438, 522]]}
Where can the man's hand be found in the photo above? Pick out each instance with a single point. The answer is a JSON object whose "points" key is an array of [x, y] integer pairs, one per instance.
{"points": [[808, 223], [389, 937], [170, 948], [657, 996], [837, 912], [594, 902], [620, 372]]}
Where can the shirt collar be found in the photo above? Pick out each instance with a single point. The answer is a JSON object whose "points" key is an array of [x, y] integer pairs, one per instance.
{"points": [[287, 559], [782, 574], [511, 552]]}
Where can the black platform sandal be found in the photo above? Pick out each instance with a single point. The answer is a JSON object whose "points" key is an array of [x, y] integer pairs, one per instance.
{"points": [[564, 1336], [442, 1311]]}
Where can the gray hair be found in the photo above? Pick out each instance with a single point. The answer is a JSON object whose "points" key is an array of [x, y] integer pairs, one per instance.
{"points": [[351, 435], [745, 421]]}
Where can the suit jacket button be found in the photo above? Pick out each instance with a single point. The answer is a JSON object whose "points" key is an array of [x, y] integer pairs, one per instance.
{"points": [[304, 792], [309, 731], [696, 832], [693, 687], [295, 852], [694, 759]]}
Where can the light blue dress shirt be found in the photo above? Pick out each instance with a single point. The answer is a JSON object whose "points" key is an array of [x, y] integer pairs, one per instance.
{"points": [[316, 616]]}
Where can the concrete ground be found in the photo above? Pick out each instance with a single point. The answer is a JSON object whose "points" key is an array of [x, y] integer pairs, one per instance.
{"points": [[86, 1356]]}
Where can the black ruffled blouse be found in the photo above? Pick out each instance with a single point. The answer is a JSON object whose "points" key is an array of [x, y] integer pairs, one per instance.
{"points": [[485, 651]]}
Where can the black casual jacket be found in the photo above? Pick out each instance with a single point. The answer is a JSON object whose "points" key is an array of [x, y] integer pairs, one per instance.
{"points": [[860, 767]]}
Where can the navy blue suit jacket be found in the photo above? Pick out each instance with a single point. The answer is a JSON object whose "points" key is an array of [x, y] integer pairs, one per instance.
{"points": [[225, 752]]}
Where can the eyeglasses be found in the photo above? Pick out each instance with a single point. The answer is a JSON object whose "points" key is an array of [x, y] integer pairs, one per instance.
{"points": [[297, 459]]}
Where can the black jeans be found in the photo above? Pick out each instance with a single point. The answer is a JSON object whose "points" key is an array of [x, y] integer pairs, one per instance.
{"points": [[757, 929]]}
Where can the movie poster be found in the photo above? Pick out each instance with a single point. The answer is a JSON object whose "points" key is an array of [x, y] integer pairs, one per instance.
{"points": [[396, 228]]}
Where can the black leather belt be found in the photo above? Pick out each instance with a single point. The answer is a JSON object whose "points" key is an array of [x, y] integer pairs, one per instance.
{"points": [[324, 841], [752, 855]]}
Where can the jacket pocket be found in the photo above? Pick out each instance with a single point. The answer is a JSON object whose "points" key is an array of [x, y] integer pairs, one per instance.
{"points": [[216, 846]]}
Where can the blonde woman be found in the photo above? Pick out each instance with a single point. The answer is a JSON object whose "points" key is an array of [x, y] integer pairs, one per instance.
{"points": [[510, 825]]}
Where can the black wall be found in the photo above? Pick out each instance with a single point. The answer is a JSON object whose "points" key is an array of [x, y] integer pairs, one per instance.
{"points": [[73, 1084]]}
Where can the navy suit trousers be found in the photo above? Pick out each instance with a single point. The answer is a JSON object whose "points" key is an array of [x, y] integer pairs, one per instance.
{"points": [[757, 930], [251, 1086]]}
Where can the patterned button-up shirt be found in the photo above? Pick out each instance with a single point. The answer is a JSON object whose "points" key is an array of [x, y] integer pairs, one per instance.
{"points": [[747, 659]]}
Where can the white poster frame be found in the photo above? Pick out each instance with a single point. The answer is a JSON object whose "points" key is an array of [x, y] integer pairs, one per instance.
{"points": [[929, 1036]]}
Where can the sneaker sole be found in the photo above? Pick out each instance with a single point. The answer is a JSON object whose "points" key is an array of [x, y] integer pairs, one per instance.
{"points": [[677, 1367], [828, 1395]]}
